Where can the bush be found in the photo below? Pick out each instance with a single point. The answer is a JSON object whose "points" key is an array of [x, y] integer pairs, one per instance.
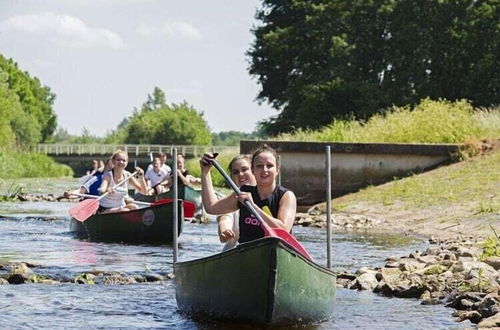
{"points": [[30, 165], [429, 122], [193, 166]]}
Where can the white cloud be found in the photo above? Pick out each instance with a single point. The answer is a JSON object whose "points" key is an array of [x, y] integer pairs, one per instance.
{"points": [[172, 30], [66, 29]]}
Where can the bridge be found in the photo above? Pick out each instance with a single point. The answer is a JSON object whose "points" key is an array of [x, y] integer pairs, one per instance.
{"points": [[79, 156]]}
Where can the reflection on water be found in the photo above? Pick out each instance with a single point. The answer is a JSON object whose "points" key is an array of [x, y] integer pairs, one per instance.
{"points": [[48, 244]]}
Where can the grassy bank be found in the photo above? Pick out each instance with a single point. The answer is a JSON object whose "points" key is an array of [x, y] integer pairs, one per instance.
{"points": [[463, 196], [429, 122], [15, 164]]}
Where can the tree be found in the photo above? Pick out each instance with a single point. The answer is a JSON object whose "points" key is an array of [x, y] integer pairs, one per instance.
{"points": [[231, 138], [319, 60], [35, 121], [155, 101], [160, 123], [9, 104]]}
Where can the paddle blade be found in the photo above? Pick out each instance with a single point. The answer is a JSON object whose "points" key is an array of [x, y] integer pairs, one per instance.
{"points": [[292, 241], [83, 210], [188, 206]]}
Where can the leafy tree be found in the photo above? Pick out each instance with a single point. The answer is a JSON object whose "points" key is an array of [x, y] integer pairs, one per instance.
{"points": [[160, 123], [35, 120], [231, 138], [319, 60], [9, 104], [155, 101]]}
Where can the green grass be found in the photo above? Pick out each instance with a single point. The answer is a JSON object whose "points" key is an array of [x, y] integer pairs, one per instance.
{"points": [[475, 181], [429, 122], [16, 164], [193, 166]]}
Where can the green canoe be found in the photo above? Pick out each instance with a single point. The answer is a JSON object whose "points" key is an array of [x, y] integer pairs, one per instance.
{"points": [[264, 281], [147, 225]]}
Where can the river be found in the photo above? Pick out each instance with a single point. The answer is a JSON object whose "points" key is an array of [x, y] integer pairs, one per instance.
{"points": [[37, 232]]}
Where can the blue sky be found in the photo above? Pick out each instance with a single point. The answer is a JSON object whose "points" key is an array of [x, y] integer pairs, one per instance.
{"points": [[102, 57]]}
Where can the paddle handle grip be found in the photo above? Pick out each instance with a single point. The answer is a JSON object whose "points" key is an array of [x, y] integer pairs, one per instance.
{"points": [[238, 191]]}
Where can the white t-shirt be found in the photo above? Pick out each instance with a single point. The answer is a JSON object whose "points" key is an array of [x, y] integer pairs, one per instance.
{"points": [[154, 177]]}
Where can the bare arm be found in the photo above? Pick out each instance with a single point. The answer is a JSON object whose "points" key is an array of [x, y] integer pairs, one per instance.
{"points": [[139, 183], [104, 184], [226, 227], [213, 205]]}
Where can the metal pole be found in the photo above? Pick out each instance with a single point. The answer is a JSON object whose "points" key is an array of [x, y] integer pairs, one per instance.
{"points": [[279, 166], [176, 206], [328, 208]]}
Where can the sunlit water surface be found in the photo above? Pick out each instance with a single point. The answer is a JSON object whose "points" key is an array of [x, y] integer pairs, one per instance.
{"points": [[26, 235]]}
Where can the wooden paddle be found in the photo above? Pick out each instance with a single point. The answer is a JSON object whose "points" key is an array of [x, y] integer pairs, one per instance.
{"points": [[188, 206], [268, 231], [86, 208]]}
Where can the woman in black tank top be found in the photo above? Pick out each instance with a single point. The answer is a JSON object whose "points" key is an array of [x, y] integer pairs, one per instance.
{"points": [[275, 204]]}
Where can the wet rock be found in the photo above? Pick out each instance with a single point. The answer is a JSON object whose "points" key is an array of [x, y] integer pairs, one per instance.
{"points": [[493, 262], [490, 305], [3, 281], [16, 279], [154, 277], [472, 316], [85, 278], [409, 291], [366, 281], [431, 301], [467, 252], [490, 322], [118, 279], [433, 240], [139, 278], [346, 276], [390, 275]]}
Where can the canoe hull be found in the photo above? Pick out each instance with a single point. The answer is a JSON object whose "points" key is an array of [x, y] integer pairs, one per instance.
{"points": [[150, 224], [264, 281]]}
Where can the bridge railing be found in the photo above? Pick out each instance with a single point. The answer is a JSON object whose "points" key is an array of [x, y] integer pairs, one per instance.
{"points": [[131, 149]]}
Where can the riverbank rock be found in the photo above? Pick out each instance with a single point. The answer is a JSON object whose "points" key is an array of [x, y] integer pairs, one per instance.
{"points": [[450, 273]]}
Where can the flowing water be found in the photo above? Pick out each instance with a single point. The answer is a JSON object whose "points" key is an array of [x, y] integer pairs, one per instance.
{"points": [[38, 233]]}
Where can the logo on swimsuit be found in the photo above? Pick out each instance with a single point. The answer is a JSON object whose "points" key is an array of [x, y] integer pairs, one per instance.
{"points": [[148, 217], [252, 221]]}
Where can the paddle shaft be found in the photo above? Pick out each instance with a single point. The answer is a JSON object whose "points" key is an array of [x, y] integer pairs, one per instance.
{"points": [[238, 191], [94, 196], [117, 185]]}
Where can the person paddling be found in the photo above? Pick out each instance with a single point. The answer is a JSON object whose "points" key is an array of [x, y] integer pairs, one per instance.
{"points": [[228, 228], [91, 186], [156, 178], [275, 204], [115, 201]]}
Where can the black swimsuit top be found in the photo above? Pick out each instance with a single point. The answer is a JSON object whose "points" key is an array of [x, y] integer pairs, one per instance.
{"points": [[250, 228]]}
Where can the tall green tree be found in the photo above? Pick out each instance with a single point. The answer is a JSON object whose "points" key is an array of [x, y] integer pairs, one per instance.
{"points": [[319, 60], [9, 104], [161, 123], [37, 121]]}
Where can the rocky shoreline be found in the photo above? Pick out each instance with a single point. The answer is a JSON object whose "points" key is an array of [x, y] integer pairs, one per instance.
{"points": [[449, 272]]}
